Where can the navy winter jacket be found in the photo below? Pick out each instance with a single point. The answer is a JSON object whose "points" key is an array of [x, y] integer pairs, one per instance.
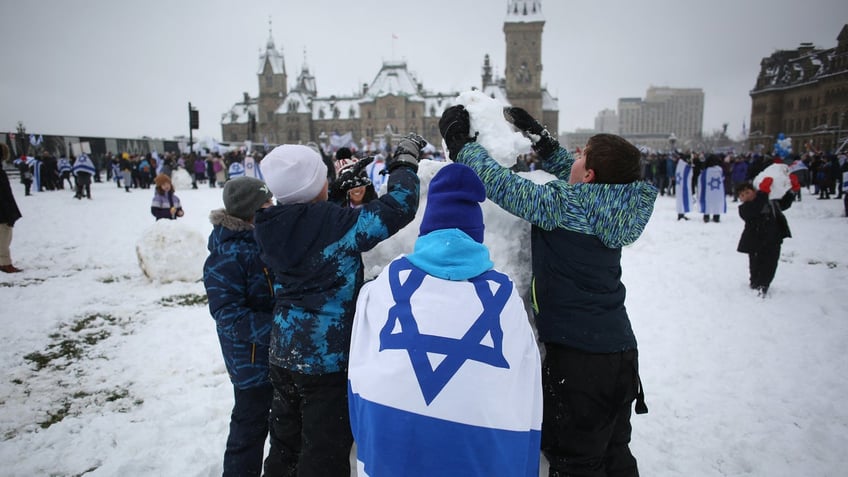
{"points": [[241, 299], [315, 252], [576, 238]]}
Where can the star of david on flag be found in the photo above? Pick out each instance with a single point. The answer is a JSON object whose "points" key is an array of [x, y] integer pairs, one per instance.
{"points": [[401, 332], [715, 183]]}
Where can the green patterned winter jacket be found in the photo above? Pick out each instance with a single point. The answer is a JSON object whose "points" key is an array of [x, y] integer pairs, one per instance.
{"points": [[576, 238]]}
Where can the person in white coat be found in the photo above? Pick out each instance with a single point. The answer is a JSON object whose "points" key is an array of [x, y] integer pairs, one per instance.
{"points": [[445, 375]]}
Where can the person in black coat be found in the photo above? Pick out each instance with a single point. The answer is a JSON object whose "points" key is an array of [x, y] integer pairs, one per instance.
{"points": [[9, 214], [765, 229]]}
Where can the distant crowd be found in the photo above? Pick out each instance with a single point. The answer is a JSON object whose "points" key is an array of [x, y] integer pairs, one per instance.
{"points": [[821, 174]]}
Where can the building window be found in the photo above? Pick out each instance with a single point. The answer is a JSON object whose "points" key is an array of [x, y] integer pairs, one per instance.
{"points": [[269, 80], [269, 116], [390, 112]]}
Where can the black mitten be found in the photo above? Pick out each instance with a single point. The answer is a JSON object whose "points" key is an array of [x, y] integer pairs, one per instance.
{"points": [[543, 143], [455, 127]]}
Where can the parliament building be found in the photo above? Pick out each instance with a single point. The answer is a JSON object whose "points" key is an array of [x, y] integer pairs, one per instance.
{"points": [[395, 100]]}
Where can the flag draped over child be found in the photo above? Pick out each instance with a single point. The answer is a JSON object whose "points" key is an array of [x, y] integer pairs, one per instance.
{"points": [[458, 396]]}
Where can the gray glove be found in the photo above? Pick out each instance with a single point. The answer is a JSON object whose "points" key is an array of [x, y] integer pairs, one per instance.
{"points": [[407, 152]]}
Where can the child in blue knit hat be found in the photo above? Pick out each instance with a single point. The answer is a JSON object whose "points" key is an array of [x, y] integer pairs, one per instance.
{"points": [[442, 354]]}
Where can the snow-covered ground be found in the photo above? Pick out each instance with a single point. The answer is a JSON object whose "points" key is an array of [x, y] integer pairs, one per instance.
{"points": [[109, 373]]}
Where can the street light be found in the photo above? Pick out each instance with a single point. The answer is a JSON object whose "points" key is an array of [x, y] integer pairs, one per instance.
{"points": [[672, 140]]}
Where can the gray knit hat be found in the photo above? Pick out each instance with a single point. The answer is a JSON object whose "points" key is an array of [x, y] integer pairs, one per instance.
{"points": [[243, 196]]}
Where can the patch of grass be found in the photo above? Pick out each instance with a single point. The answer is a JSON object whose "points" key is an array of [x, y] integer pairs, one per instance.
{"points": [[72, 343], [54, 417], [189, 299]]}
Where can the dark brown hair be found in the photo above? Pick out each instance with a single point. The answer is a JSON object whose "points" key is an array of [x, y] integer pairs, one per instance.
{"points": [[613, 158]]}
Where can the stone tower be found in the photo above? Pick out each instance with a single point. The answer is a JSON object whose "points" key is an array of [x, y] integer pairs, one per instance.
{"points": [[523, 34], [272, 84]]}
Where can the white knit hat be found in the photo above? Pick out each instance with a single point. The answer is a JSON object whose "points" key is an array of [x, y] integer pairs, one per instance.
{"points": [[294, 173]]}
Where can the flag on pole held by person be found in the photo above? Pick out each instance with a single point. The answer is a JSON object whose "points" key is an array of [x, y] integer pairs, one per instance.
{"points": [[683, 178]]}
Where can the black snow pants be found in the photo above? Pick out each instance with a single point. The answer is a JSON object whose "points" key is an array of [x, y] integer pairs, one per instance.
{"points": [[587, 405]]}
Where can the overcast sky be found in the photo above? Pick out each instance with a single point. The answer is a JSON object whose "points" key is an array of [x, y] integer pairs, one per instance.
{"points": [[129, 69]]}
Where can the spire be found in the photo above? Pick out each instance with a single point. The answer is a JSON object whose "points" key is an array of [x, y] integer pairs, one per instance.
{"points": [[524, 11], [487, 71], [270, 44]]}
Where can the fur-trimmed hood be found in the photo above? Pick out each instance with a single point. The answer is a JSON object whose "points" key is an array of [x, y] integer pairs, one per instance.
{"points": [[222, 218], [226, 227]]}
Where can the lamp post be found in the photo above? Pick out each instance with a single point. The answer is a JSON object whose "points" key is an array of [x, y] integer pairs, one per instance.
{"points": [[672, 140]]}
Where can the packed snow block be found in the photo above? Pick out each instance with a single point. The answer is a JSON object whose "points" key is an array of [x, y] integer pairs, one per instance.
{"points": [[497, 135], [507, 236], [780, 180], [170, 251], [181, 179]]}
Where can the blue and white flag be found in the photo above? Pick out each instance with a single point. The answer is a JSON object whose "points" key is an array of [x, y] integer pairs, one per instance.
{"points": [[711, 197], [683, 179], [440, 389], [159, 163], [64, 165], [374, 171], [250, 169], [236, 170], [84, 164]]}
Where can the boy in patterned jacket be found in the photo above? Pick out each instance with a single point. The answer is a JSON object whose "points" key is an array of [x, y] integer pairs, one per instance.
{"points": [[580, 221], [314, 248], [241, 299]]}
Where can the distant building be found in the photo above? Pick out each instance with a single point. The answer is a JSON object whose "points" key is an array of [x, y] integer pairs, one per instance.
{"points": [[803, 94], [394, 101], [664, 111], [578, 138], [607, 121]]}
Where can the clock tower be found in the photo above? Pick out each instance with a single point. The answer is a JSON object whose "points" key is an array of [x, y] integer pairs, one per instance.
{"points": [[523, 33]]}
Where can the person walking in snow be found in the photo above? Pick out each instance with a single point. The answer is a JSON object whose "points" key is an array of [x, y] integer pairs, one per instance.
{"points": [[83, 170], [456, 410], [579, 222], [314, 248], [765, 229], [9, 214], [64, 166], [166, 204], [241, 300]]}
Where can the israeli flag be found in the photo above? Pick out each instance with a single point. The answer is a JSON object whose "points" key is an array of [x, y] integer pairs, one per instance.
{"points": [[236, 170], [711, 197], [83, 164], [683, 178], [444, 377], [250, 169]]}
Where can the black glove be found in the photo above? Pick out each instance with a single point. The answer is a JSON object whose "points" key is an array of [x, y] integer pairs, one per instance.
{"points": [[543, 143], [407, 152], [353, 176], [455, 127]]}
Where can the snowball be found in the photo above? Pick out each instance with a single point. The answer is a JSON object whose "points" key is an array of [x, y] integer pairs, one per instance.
{"points": [[181, 179], [497, 135], [170, 251]]}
